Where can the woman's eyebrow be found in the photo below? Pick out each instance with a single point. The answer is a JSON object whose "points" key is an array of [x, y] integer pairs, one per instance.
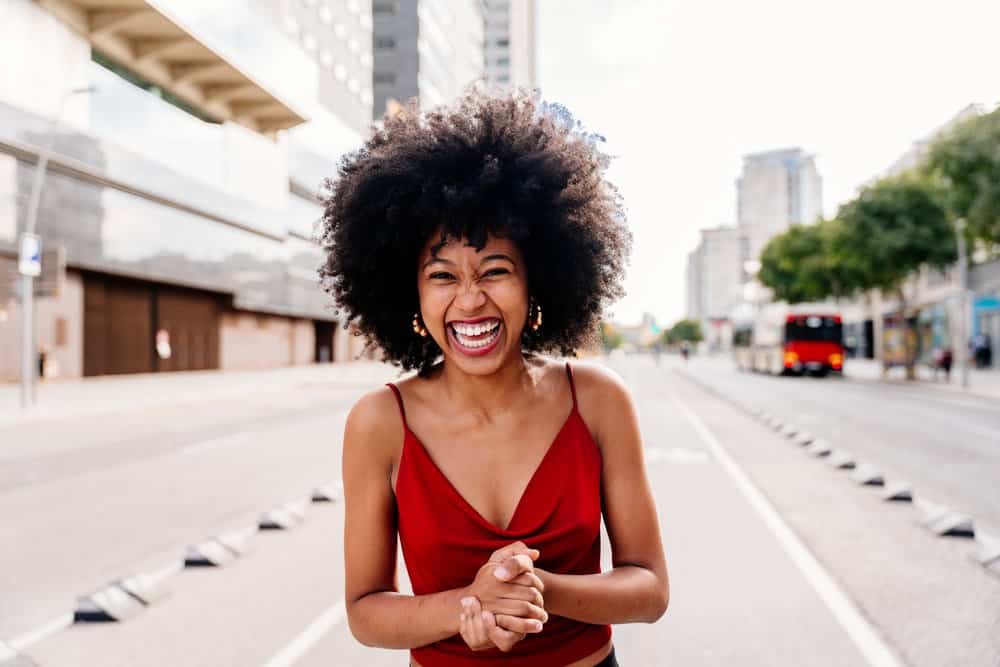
{"points": [[498, 256], [432, 260]]}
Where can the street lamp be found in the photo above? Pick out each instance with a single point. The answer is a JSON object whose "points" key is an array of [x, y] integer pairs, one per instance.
{"points": [[29, 239], [963, 307]]}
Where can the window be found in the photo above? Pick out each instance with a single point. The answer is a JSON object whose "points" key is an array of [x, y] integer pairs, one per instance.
{"points": [[503, 61], [387, 78], [385, 8], [385, 43], [503, 42], [503, 78]]}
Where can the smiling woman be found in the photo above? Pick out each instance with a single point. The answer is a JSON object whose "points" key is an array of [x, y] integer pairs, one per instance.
{"points": [[448, 235]]}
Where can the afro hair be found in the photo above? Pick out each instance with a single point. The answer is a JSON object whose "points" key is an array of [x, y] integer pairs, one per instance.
{"points": [[510, 166]]}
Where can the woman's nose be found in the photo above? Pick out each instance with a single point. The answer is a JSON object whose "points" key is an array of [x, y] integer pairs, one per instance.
{"points": [[471, 297]]}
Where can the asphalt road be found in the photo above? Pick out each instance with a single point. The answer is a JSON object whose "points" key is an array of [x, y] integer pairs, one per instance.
{"points": [[775, 558]]}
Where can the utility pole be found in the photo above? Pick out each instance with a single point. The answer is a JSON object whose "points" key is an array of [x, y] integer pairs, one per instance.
{"points": [[30, 240], [963, 307]]}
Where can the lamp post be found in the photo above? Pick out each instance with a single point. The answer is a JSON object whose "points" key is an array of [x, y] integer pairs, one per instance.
{"points": [[963, 302], [27, 277]]}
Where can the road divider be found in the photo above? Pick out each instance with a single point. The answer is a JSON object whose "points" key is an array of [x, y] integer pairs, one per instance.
{"points": [[988, 552], [842, 460], [819, 448], [11, 658], [868, 475], [943, 520], [898, 491]]}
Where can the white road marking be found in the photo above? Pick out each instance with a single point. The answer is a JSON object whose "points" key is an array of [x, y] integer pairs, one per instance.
{"points": [[299, 646], [228, 440], [22, 642], [864, 636]]}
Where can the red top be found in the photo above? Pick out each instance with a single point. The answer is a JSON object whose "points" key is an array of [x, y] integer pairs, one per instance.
{"points": [[445, 540]]}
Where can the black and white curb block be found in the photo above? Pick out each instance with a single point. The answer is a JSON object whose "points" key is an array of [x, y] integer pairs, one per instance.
{"points": [[111, 603], [804, 438], [943, 520], [898, 492], [987, 552], [842, 460], [328, 493], [819, 448], [210, 553], [790, 430], [286, 516], [868, 475], [11, 658], [148, 587]]}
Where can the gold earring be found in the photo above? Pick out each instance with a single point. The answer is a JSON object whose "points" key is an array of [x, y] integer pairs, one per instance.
{"points": [[418, 328], [538, 317]]}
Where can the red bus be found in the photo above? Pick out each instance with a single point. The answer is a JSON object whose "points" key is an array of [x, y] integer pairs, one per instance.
{"points": [[791, 340]]}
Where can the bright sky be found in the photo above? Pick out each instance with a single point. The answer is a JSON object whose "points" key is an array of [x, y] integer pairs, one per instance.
{"points": [[682, 89]]}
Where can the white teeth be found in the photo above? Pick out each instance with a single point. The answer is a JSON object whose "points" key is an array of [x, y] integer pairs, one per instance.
{"points": [[463, 331], [475, 329]]}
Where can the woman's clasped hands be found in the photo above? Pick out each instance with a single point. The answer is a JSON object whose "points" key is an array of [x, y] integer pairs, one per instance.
{"points": [[504, 602]]}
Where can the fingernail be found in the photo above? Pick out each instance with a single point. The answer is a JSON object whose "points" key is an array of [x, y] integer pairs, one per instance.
{"points": [[537, 625], [501, 573], [485, 616], [466, 602]]}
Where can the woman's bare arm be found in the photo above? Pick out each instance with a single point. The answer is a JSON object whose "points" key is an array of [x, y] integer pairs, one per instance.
{"points": [[637, 589], [377, 613]]}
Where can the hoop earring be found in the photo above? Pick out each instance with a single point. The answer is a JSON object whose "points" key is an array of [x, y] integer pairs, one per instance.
{"points": [[537, 319], [418, 327]]}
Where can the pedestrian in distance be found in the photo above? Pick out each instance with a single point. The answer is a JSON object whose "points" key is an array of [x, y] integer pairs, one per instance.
{"points": [[468, 243]]}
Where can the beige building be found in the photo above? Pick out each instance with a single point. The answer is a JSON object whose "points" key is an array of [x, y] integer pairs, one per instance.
{"points": [[715, 271], [182, 181], [510, 42], [776, 189]]}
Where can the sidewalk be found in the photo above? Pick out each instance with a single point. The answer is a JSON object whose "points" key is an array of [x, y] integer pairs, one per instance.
{"points": [[114, 393], [984, 383]]}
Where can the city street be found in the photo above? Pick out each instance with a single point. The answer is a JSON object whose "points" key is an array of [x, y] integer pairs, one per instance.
{"points": [[775, 556]]}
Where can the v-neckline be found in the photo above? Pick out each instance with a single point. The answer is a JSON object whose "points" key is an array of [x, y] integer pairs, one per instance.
{"points": [[465, 503]]}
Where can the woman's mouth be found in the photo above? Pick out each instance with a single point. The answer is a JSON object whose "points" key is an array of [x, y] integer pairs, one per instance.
{"points": [[476, 338]]}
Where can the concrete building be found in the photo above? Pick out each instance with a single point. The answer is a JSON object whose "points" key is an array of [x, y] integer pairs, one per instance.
{"points": [[428, 49], [715, 277], [510, 43], [183, 186], [776, 189]]}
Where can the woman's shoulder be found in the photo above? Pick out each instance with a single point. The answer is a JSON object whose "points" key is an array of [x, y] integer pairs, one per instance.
{"points": [[601, 394], [375, 418]]}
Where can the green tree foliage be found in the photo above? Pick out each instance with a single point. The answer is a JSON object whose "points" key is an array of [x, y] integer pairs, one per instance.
{"points": [[799, 265], [891, 230], [610, 338], [689, 330], [967, 162]]}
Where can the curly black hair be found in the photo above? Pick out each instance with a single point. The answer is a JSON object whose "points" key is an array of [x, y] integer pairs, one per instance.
{"points": [[510, 166]]}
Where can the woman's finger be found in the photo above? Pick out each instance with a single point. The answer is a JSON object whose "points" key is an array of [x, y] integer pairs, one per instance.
{"points": [[528, 579], [477, 626], [518, 624], [503, 639]]}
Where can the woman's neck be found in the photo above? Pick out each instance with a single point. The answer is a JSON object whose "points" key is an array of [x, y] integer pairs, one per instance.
{"points": [[488, 394]]}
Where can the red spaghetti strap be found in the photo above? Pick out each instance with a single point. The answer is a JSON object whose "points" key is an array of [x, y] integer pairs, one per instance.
{"points": [[572, 387], [399, 400]]}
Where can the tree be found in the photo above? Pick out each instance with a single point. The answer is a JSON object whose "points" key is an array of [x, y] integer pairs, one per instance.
{"points": [[610, 338], [689, 330], [967, 162], [800, 264], [891, 230]]}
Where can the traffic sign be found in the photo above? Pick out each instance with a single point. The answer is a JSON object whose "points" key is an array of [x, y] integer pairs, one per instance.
{"points": [[29, 261]]}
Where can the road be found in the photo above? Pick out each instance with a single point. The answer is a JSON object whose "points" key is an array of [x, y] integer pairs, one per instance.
{"points": [[775, 558]]}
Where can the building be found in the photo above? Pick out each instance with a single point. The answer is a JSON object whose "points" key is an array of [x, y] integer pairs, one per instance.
{"points": [[427, 49], [775, 190], [510, 43], [715, 282], [183, 181]]}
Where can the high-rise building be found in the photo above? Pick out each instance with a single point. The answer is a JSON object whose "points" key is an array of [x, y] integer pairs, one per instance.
{"points": [[510, 58], [428, 49], [776, 189], [714, 275], [190, 146]]}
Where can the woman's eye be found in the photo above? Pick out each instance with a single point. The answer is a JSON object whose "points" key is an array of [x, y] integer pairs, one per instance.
{"points": [[441, 275], [496, 272]]}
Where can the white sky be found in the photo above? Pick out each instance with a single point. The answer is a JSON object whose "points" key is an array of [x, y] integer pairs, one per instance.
{"points": [[682, 89]]}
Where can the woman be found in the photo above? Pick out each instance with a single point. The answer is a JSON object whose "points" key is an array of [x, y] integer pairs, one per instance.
{"points": [[464, 242]]}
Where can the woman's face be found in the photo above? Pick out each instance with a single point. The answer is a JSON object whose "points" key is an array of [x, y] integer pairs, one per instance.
{"points": [[474, 303]]}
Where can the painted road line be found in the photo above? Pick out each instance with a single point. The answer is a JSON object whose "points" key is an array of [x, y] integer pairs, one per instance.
{"points": [[864, 636], [229, 440], [299, 646], [21, 642]]}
